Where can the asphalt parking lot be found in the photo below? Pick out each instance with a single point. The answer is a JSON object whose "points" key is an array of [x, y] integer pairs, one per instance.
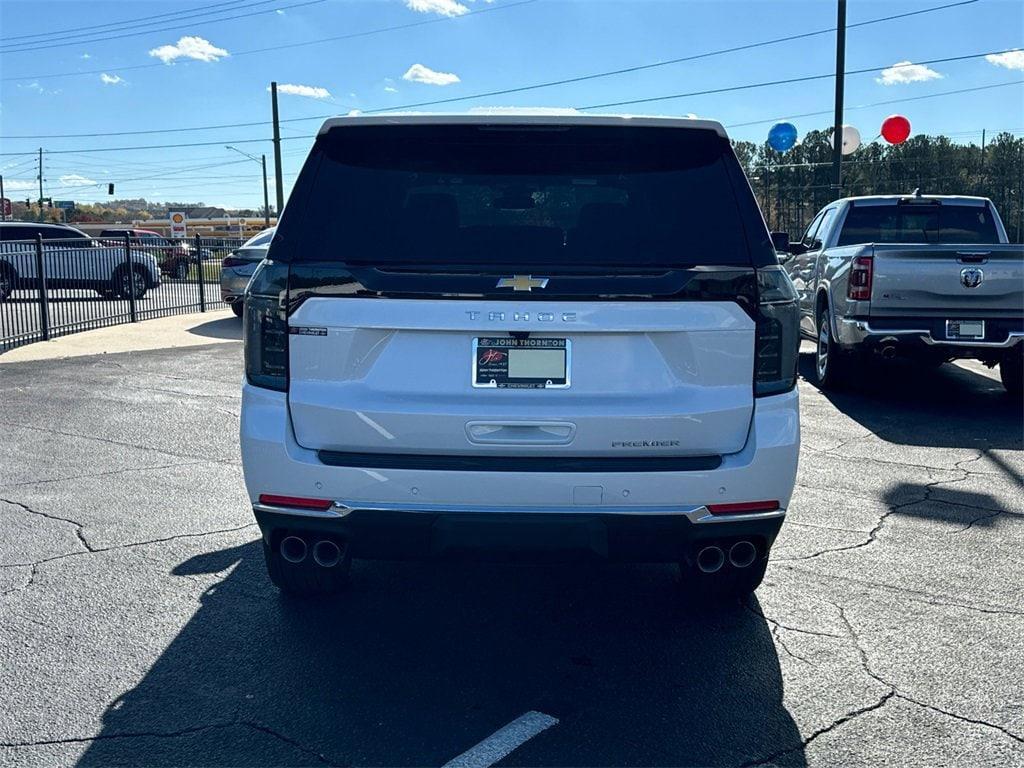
{"points": [[137, 625]]}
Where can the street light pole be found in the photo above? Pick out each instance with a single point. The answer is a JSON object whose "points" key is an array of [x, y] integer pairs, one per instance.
{"points": [[262, 160]]}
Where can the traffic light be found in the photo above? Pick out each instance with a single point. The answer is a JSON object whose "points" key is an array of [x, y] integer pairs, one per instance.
{"points": [[49, 202], [110, 188]]}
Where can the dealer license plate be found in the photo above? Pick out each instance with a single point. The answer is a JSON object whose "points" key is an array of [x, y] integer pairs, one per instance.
{"points": [[530, 363]]}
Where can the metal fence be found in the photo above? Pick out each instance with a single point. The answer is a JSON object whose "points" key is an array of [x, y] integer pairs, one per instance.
{"points": [[51, 287]]}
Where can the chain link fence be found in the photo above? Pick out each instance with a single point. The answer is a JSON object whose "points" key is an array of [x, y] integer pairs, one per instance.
{"points": [[53, 287]]}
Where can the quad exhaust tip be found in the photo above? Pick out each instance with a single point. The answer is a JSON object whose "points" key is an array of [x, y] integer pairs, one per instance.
{"points": [[710, 559], [742, 554], [293, 549], [326, 554]]}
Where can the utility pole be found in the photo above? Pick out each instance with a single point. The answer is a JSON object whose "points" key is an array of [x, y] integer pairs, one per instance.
{"points": [[40, 183], [266, 196], [279, 185], [3, 199], [837, 137]]}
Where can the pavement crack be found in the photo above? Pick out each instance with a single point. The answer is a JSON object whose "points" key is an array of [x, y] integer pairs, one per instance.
{"points": [[78, 526], [127, 735], [288, 740], [108, 473]]}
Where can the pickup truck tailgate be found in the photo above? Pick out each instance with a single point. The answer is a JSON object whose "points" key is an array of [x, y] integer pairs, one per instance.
{"points": [[956, 281]]}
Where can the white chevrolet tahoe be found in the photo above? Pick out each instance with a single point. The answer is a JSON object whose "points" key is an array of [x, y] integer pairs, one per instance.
{"points": [[520, 337]]}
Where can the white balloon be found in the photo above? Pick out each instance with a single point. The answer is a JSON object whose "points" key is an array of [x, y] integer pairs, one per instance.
{"points": [[851, 139]]}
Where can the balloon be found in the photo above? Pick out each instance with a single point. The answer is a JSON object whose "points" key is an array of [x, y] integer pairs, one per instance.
{"points": [[895, 129], [782, 136], [851, 139]]}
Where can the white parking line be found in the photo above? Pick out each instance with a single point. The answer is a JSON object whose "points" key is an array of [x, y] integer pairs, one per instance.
{"points": [[503, 742]]}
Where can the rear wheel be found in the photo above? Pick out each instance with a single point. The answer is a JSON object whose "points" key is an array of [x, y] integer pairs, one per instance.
{"points": [[1011, 371], [831, 363], [181, 270], [129, 282], [305, 578], [238, 307]]}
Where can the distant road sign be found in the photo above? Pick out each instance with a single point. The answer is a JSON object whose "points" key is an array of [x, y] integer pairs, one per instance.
{"points": [[67, 205], [177, 224]]}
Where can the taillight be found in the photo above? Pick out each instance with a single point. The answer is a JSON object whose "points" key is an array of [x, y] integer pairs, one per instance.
{"points": [[743, 507], [299, 502], [266, 327], [232, 261], [777, 333], [858, 287]]}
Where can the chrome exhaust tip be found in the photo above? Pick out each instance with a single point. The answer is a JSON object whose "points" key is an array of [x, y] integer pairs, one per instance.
{"points": [[710, 559], [326, 554], [742, 554], [293, 549]]}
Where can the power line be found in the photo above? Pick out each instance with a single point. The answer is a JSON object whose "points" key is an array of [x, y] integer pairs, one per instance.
{"points": [[878, 104], [786, 81], [154, 31], [506, 91], [747, 86], [285, 46], [129, 23]]}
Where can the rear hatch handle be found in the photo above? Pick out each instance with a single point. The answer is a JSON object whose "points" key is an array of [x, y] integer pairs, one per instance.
{"points": [[520, 432]]}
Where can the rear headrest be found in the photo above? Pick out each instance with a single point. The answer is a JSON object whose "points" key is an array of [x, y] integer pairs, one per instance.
{"points": [[432, 210]]}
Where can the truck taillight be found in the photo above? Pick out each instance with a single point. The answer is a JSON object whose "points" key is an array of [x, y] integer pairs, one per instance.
{"points": [[266, 327], [858, 287], [777, 333]]}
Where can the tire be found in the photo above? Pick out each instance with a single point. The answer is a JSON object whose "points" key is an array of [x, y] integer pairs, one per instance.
{"points": [[305, 579], [238, 307], [127, 281], [181, 270], [105, 293], [1011, 371], [831, 363], [7, 280]]}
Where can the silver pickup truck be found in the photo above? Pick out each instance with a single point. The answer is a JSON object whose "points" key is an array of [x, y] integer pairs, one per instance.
{"points": [[928, 277]]}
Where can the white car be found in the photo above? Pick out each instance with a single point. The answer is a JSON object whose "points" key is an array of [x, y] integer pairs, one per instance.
{"points": [[72, 259], [520, 337]]}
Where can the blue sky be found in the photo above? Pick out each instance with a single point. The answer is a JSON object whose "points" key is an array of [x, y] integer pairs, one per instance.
{"points": [[190, 69]]}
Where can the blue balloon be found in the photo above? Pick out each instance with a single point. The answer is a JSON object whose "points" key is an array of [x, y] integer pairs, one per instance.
{"points": [[782, 136]]}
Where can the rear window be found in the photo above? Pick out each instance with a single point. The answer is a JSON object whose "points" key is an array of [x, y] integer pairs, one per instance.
{"points": [[919, 223], [558, 196]]}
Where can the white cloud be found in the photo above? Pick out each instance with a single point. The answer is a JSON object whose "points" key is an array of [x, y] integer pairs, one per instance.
{"points": [[19, 185], [1011, 59], [75, 180], [310, 91], [197, 48], [418, 73], [390, 89], [279, 12], [85, 56], [441, 7], [906, 72], [111, 79]]}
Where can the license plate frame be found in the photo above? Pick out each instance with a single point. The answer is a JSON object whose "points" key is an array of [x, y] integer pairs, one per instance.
{"points": [[494, 373], [965, 330]]}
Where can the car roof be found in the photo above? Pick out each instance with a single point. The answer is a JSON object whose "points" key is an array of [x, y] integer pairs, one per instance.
{"points": [[36, 224], [556, 117], [885, 199]]}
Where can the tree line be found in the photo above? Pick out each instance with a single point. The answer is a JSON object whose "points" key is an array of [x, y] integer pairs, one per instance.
{"points": [[792, 186]]}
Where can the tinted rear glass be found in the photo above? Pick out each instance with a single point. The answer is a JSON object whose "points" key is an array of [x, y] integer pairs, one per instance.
{"points": [[555, 196], [919, 223]]}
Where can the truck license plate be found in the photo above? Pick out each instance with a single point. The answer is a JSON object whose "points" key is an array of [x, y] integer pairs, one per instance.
{"points": [[965, 329]]}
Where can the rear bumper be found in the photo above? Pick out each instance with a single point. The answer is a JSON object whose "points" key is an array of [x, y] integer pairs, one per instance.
{"points": [[927, 333], [400, 513]]}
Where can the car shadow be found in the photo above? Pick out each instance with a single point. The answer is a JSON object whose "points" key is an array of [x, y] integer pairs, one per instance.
{"points": [[944, 407], [224, 328], [418, 662]]}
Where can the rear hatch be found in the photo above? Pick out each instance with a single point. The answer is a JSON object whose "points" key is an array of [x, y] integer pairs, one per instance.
{"points": [[522, 290]]}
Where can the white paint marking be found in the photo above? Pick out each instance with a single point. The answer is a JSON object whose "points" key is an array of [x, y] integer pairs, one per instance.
{"points": [[502, 743]]}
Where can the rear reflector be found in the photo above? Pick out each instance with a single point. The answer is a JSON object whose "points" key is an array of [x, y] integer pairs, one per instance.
{"points": [[743, 507], [294, 501]]}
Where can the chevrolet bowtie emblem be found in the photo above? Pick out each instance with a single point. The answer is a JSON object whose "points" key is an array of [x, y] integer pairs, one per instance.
{"points": [[523, 282]]}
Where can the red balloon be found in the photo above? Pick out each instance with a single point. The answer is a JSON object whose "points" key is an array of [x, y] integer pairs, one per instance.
{"points": [[895, 129]]}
